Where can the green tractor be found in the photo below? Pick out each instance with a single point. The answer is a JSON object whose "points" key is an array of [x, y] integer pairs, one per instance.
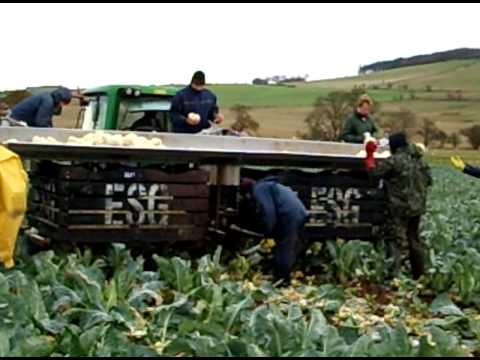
{"points": [[124, 107]]}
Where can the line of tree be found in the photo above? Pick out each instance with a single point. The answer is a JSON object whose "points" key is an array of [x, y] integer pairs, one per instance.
{"points": [[426, 128], [456, 54], [279, 79]]}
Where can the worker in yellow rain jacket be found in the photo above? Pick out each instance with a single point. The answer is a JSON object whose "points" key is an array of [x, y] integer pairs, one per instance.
{"points": [[13, 203]]}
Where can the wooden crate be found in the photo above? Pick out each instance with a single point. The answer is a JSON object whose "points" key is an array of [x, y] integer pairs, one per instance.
{"points": [[345, 204], [106, 203]]}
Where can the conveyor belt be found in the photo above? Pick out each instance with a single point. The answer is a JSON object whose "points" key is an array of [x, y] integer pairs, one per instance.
{"points": [[108, 153], [201, 149]]}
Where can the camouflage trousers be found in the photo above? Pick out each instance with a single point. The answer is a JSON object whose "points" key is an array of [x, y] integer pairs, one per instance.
{"points": [[404, 232]]}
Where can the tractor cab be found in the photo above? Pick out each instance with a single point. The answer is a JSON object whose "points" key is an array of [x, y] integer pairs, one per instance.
{"points": [[122, 107]]}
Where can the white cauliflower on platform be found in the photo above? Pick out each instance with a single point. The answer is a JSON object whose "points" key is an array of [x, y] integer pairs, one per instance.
{"points": [[101, 138]]}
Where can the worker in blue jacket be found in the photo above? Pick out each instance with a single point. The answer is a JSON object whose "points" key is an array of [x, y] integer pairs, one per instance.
{"points": [[465, 168], [38, 110], [281, 216], [194, 107]]}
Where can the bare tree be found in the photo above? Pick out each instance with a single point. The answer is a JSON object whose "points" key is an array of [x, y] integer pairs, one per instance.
{"points": [[473, 136], [459, 95], [317, 125], [325, 121], [428, 131], [455, 95], [402, 120], [243, 119], [455, 139], [441, 136]]}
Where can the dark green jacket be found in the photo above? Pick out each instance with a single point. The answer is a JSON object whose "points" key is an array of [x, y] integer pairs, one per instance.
{"points": [[407, 178], [355, 127]]}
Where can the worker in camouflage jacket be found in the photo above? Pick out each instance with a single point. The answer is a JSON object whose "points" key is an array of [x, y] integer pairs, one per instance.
{"points": [[277, 212], [407, 178]]}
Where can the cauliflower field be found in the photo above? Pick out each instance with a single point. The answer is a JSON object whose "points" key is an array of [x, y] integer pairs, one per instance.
{"points": [[340, 304]]}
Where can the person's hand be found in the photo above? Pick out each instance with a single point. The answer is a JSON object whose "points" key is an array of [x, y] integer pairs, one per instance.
{"points": [[218, 118], [458, 163], [383, 142], [193, 119], [367, 137]]}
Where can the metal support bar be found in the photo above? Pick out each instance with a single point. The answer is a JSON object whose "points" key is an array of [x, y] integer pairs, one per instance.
{"points": [[228, 175]]}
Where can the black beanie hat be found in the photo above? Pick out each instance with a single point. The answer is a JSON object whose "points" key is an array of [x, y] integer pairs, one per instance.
{"points": [[198, 78], [397, 141]]}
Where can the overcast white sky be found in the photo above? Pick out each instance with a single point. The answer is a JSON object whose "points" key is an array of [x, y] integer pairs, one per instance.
{"points": [[94, 44]]}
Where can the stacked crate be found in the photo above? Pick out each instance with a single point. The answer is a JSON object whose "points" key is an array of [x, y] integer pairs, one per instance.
{"points": [[344, 203], [106, 203]]}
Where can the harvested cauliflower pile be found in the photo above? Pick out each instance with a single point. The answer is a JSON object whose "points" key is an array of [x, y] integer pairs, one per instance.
{"points": [[45, 140], [101, 138]]}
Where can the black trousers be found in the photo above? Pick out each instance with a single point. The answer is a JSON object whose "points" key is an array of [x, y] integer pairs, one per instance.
{"points": [[288, 247]]}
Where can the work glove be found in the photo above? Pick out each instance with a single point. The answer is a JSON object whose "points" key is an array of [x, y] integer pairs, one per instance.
{"points": [[422, 147], [458, 163], [370, 148]]}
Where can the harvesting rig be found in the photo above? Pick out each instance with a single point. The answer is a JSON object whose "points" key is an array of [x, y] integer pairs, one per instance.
{"points": [[188, 189]]}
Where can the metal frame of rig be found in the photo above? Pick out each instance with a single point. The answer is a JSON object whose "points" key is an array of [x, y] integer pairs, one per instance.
{"points": [[188, 192]]}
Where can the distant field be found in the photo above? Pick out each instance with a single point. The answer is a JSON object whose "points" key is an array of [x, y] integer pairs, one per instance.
{"points": [[302, 95], [442, 157], [267, 96], [281, 110], [68, 117]]}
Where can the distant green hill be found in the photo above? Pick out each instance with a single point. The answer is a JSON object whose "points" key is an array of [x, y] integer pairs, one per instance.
{"points": [[450, 75], [449, 55], [428, 90], [385, 85]]}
